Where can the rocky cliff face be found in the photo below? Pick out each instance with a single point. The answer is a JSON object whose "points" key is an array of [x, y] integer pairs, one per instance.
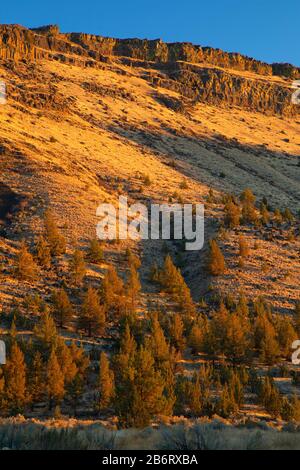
{"points": [[16, 43], [158, 51], [182, 67], [218, 87]]}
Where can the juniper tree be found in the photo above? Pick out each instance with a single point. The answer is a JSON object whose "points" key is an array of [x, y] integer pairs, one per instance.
{"points": [[140, 397], [216, 341], [26, 268], [247, 196], [156, 343], [92, 314], [265, 214], [290, 409], [77, 267], [95, 252], [236, 388], [112, 291], [54, 381], [74, 391], [57, 242], [270, 397], [133, 286], [185, 301], [61, 307], [169, 276], [232, 214], [80, 358], [242, 308], [176, 332], [238, 337], [45, 332], [196, 339], [206, 381], [211, 197], [285, 335], [15, 380], [181, 393], [297, 317], [66, 361], [249, 214], [226, 405], [173, 282], [194, 398], [36, 379], [287, 409], [106, 387], [42, 252], [124, 360], [216, 261], [265, 340], [132, 259]]}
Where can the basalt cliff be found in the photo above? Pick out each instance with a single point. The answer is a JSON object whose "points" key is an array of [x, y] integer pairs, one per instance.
{"points": [[198, 73]]}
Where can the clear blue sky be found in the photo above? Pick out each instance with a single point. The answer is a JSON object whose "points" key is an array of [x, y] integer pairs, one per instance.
{"points": [[264, 29]]}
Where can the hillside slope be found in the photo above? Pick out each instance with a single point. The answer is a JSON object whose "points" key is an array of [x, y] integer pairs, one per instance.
{"points": [[89, 119], [78, 132]]}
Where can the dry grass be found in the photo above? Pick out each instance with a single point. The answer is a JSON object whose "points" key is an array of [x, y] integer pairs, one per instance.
{"points": [[17, 433]]}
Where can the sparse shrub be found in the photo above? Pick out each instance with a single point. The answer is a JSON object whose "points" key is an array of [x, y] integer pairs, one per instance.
{"points": [[146, 180], [154, 273], [183, 185], [287, 215], [278, 216], [265, 215], [244, 249], [211, 197]]}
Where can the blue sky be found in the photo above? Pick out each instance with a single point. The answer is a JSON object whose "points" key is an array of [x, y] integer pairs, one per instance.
{"points": [[264, 29]]}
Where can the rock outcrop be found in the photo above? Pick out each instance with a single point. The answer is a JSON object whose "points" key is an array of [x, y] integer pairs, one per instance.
{"points": [[218, 87], [195, 72]]}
